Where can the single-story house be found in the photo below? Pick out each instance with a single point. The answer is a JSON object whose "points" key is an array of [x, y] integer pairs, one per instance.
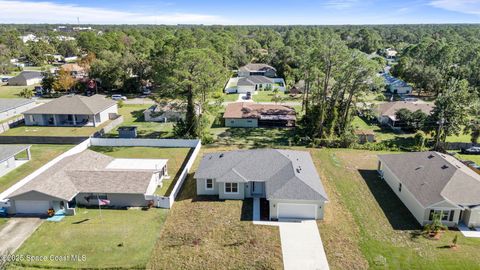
{"points": [[248, 114], [10, 157], [287, 179], [365, 136], [10, 107], [73, 110], [390, 53], [386, 112], [257, 70], [171, 112], [432, 182], [26, 78], [75, 70], [259, 83], [85, 178], [396, 86]]}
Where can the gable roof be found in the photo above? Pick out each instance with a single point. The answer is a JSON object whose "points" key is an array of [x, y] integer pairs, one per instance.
{"points": [[253, 80], [287, 174], [251, 110], [8, 151], [86, 172], [434, 177], [27, 75], [74, 105], [252, 67], [390, 108], [7, 104]]}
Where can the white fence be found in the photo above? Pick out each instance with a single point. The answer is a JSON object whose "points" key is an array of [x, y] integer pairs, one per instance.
{"points": [[160, 201]]}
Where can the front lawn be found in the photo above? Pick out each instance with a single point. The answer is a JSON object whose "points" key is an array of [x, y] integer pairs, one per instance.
{"points": [[205, 233], [41, 154], [268, 96], [133, 116], [7, 91], [176, 157], [230, 97], [107, 238], [53, 131], [367, 226]]}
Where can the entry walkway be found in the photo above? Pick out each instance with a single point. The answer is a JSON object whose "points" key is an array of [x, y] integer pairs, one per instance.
{"points": [[467, 232], [302, 246]]}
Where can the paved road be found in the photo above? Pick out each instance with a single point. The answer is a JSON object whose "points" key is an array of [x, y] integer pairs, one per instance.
{"points": [[16, 231]]}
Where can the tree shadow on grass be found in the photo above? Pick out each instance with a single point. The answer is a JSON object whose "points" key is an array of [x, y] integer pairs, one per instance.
{"points": [[396, 212], [247, 210], [138, 116], [259, 137]]}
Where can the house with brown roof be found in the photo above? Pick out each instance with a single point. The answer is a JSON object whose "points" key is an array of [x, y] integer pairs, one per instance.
{"points": [[75, 70], [248, 114], [386, 112], [86, 178], [431, 183], [72, 110]]}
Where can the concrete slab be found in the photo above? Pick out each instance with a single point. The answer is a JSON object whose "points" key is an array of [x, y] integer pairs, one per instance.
{"points": [[137, 164], [16, 231], [256, 209], [469, 233]]}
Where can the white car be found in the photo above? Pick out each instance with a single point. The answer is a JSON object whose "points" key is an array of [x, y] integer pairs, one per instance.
{"points": [[119, 97]]}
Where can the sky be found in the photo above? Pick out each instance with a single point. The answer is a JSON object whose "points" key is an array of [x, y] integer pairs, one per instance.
{"points": [[244, 12]]}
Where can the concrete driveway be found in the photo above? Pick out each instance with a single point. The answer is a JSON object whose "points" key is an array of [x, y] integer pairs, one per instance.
{"points": [[16, 231]]}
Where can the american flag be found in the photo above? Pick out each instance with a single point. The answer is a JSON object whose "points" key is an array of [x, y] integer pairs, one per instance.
{"points": [[103, 202]]}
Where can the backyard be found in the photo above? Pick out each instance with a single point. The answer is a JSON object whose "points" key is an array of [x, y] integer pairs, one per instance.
{"points": [[268, 96], [258, 137], [41, 154], [53, 131], [176, 157], [133, 116], [7, 91], [205, 233], [367, 226], [107, 238]]}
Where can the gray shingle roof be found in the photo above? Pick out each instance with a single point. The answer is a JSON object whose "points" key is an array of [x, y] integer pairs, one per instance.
{"points": [[8, 151], [85, 172], [27, 75], [287, 174], [74, 105], [253, 80], [7, 104], [433, 177], [252, 67]]}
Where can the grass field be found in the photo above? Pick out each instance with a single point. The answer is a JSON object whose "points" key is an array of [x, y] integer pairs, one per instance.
{"points": [[268, 96], [367, 226], [53, 131], [230, 97], [258, 137], [12, 91], [133, 116], [41, 154], [175, 156], [474, 158], [108, 239], [205, 233]]}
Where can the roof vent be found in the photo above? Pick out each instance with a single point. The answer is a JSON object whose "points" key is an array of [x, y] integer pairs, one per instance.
{"points": [[298, 170], [445, 167], [418, 168], [221, 155], [431, 156]]}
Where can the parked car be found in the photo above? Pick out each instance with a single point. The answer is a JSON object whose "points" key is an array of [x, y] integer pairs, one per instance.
{"points": [[119, 97], [249, 95], [5, 79], [3, 212], [474, 150], [146, 92]]}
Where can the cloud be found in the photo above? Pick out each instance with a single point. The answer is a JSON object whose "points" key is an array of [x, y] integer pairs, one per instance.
{"points": [[463, 6], [48, 12]]}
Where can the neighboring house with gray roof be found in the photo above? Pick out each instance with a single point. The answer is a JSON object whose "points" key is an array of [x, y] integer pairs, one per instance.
{"points": [[11, 157], [258, 83], [287, 179], [10, 107], [84, 179], [73, 110], [432, 182], [254, 69], [26, 78]]}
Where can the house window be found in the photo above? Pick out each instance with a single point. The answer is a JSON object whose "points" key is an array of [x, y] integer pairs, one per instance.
{"points": [[231, 122], [400, 187], [452, 213], [231, 187], [249, 121], [209, 184], [445, 215]]}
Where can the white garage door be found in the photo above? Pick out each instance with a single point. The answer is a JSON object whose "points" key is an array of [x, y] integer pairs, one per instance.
{"points": [[32, 207], [297, 211]]}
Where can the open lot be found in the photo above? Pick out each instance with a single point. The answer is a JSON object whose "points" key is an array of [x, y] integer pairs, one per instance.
{"points": [[176, 157], [133, 116], [205, 233], [53, 131], [268, 96], [367, 226], [230, 97], [41, 154], [258, 137], [12, 91], [108, 239]]}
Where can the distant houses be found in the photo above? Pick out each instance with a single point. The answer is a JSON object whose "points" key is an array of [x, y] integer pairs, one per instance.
{"points": [[26, 78], [73, 111], [247, 114], [395, 85], [171, 112], [11, 157], [386, 112], [257, 70], [10, 107], [255, 77]]}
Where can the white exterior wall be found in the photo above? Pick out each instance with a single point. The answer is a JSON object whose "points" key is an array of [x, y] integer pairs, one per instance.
{"points": [[16, 111], [7, 165], [405, 196], [116, 200], [273, 205], [201, 187], [104, 115], [240, 195], [232, 122], [472, 217], [243, 89]]}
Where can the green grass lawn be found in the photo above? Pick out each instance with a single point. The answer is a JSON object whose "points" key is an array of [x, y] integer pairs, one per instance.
{"points": [[259, 137], [133, 116], [474, 158], [41, 154], [267, 96], [114, 239], [53, 131], [176, 157], [367, 226], [7, 91], [230, 97], [204, 233]]}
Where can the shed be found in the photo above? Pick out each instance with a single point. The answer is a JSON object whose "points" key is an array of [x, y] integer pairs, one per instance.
{"points": [[127, 132]]}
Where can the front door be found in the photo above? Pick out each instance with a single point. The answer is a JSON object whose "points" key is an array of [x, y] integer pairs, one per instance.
{"points": [[257, 188]]}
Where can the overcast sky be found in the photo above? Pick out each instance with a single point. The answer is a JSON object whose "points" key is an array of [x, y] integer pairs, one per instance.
{"points": [[241, 12]]}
